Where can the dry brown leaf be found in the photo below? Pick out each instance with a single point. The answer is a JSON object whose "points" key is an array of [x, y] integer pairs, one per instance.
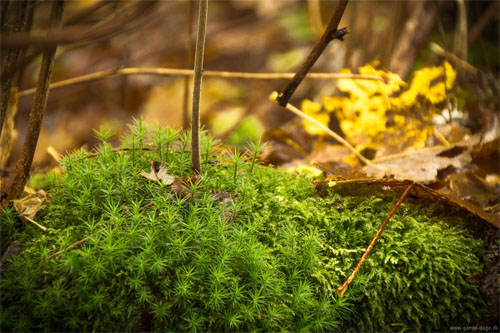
{"points": [[469, 186], [31, 204], [158, 173], [182, 187], [28, 206], [421, 165]]}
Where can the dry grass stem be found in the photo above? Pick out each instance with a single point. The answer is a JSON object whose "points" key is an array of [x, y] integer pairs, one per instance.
{"points": [[188, 72], [334, 135]]}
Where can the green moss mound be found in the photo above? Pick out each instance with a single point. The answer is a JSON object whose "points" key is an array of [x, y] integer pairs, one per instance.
{"points": [[245, 248]]}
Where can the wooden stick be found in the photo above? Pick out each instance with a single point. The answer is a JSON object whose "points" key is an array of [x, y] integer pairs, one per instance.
{"points": [[341, 290], [198, 74], [188, 72], [11, 57], [330, 34], [453, 58], [39, 105]]}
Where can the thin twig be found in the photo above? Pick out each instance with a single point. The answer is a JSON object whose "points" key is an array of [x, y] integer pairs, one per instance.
{"points": [[81, 241], [39, 105], [329, 35], [34, 222], [188, 72], [198, 74], [341, 290], [453, 58], [334, 135]]}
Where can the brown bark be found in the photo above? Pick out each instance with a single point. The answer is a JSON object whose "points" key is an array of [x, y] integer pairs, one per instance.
{"points": [[39, 106], [18, 24], [198, 74]]}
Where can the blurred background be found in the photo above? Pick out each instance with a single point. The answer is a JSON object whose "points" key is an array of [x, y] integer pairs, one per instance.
{"points": [[258, 36]]}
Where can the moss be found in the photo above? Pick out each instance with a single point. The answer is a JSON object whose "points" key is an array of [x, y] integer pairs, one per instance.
{"points": [[247, 248]]}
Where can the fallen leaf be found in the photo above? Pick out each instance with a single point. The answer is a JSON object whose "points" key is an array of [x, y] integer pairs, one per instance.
{"points": [[31, 204], [182, 187], [469, 186], [421, 165], [158, 173]]}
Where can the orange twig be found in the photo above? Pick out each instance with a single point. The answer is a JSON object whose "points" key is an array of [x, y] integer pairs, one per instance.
{"points": [[341, 290]]}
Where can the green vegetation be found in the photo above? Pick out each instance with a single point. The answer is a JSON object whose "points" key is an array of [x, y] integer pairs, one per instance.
{"points": [[244, 247]]}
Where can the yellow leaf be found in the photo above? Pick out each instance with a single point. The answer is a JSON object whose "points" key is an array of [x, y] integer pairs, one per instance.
{"points": [[313, 109]]}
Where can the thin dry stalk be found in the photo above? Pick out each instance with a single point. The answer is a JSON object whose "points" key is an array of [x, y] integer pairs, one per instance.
{"points": [[39, 105], [328, 131], [341, 290], [188, 72], [198, 74], [460, 38], [35, 223], [453, 58]]}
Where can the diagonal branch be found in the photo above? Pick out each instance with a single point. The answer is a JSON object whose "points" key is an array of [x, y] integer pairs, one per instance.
{"points": [[341, 290], [330, 34]]}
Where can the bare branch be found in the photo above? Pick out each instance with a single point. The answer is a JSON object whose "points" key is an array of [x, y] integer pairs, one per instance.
{"points": [[330, 34]]}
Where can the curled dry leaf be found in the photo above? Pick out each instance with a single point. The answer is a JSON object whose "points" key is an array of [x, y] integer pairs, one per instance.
{"points": [[28, 206], [159, 173]]}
